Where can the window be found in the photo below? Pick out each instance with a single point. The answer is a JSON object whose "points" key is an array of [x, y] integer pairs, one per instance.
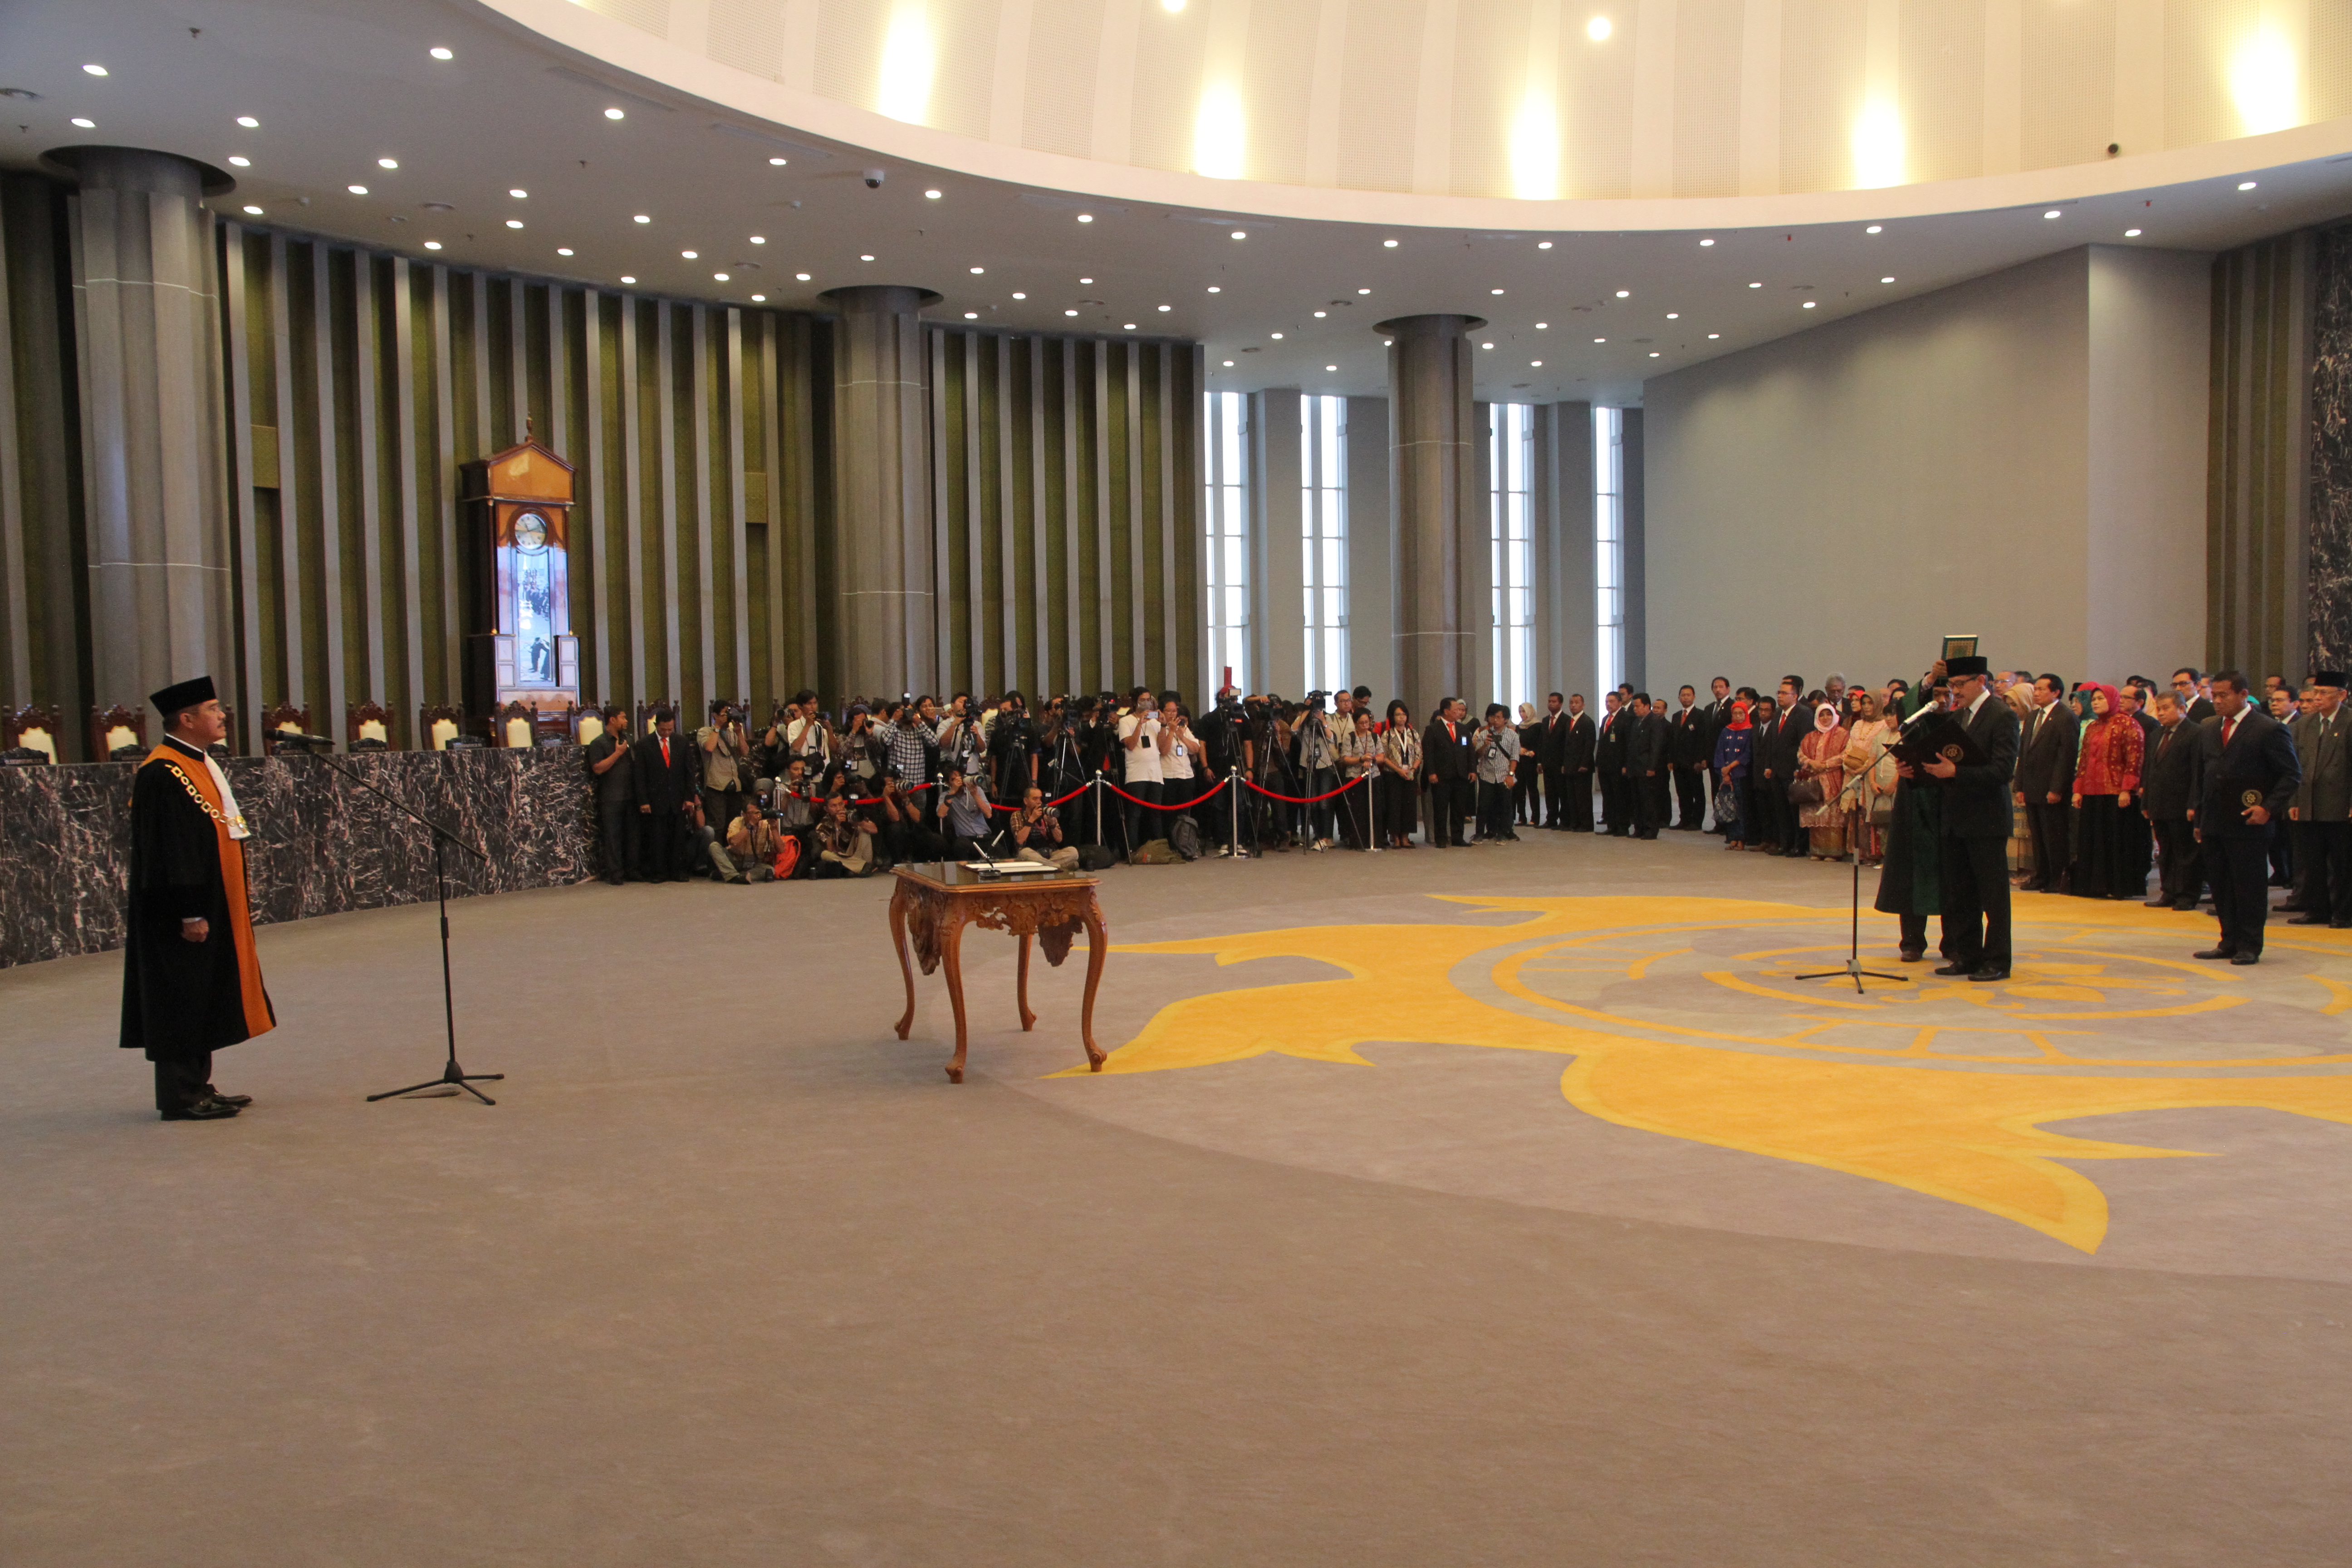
{"points": [[1227, 551], [1323, 537], [1609, 545], [1511, 562]]}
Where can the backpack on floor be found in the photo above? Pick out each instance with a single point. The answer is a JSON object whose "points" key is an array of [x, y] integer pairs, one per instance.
{"points": [[1097, 858], [1158, 852], [1184, 837]]}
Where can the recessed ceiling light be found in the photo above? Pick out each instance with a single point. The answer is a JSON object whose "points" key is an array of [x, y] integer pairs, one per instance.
{"points": [[356, 190], [1601, 340], [85, 125], [1019, 295], [2131, 234], [1240, 234], [432, 245], [864, 258], [1229, 364], [971, 315], [614, 114], [759, 299], [1704, 243], [1486, 345], [387, 162], [1363, 290], [1320, 314], [1543, 245], [1624, 293], [2246, 185], [1278, 337], [1809, 304], [1069, 312], [758, 239], [801, 276], [1654, 354], [1086, 217], [626, 279], [931, 196], [249, 121], [252, 212], [439, 53], [691, 255], [562, 250], [719, 277], [978, 270], [1713, 335], [1674, 315], [1886, 281], [775, 162], [1536, 363], [1385, 245], [235, 162], [1598, 29], [95, 71], [1874, 228], [518, 195], [643, 218], [1215, 289], [1756, 285], [1499, 290], [1541, 326], [1131, 327], [2052, 213], [514, 222]]}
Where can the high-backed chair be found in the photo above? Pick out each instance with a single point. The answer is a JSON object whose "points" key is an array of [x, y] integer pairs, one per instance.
{"points": [[282, 716], [118, 733], [440, 723], [587, 723], [511, 726], [367, 727], [31, 729]]}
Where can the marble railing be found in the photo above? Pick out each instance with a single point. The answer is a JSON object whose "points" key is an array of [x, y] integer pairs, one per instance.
{"points": [[321, 844]]}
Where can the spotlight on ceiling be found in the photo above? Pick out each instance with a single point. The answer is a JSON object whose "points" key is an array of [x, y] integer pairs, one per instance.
{"points": [[799, 277], [519, 194], [356, 190], [1876, 228], [2246, 185], [2131, 234], [1704, 243], [1240, 234], [1069, 312], [95, 71], [252, 212], [614, 114], [931, 196], [643, 217], [626, 279], [2052, 213], [85, 125], [387, 162], [249, 121], [235, 162], [1598, 29], [1086, 217], [514, 222], [562, 250], [775, 162], [1388, 244], [439, 53]]}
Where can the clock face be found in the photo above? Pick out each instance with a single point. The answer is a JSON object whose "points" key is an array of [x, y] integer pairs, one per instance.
{"points": [[531, 532]]}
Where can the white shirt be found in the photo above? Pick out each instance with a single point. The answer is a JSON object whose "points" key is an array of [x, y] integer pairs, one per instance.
{"points": [[1143, 758], [1178, 763], [237, 829]]}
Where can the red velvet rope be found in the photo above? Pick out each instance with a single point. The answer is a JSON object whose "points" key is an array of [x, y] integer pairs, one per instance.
{"points": [[1155, 806], [1309, 799]]}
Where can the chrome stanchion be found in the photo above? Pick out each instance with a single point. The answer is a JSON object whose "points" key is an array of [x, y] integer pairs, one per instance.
{"points": [[1372, 819]]}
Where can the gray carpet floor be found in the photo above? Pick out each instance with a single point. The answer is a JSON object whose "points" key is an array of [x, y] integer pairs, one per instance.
{"points": [[731, 1275]]}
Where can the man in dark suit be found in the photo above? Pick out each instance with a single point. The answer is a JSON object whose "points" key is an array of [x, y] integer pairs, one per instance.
{"points": [[1648, 766], [1609, 760], [2046, 782], [1447, 768], [1690, 750], [2249, 774], [1776, 763], [1717, 716], [615, 775], [2168, 791], [2193, 702], [1551, 760], [1583, 746], [1972, 845], [665, 798], [2323, 807]]}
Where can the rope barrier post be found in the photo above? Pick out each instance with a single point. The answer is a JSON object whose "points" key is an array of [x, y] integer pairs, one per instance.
{"points": [[1232, 784], [1371, 820], [1099, 781]]}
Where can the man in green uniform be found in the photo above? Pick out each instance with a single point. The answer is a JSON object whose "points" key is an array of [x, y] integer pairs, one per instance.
{"points": [[191, 979]]}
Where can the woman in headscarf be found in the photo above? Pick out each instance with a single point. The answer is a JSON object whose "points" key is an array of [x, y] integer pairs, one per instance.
{"points": [[1869, 796], [1821, 761], [2107, 777], [1527, 803], [1732, 748]]}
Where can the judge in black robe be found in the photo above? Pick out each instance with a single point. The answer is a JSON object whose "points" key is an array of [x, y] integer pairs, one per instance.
{"points": [[191, 977]]}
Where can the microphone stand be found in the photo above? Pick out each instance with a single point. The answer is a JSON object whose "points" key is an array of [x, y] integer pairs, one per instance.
{"points": [[451, 1073], [1854, 970]]}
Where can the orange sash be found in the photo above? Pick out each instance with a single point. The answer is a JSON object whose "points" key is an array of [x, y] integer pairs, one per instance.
{"points": [[258, 1020]]}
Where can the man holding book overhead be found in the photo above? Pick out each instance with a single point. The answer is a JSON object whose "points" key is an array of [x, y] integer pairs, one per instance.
{"points": [[1970, 753]]}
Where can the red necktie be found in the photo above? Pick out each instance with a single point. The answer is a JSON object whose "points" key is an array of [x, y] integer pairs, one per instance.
{"points": [[664, 740], [2229, 730]]}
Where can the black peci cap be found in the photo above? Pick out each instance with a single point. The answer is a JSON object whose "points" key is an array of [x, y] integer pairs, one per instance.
{"points": [[187, 694]]}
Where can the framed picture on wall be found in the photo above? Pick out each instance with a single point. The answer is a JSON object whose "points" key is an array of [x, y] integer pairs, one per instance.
{"points": [[1960, 645]]}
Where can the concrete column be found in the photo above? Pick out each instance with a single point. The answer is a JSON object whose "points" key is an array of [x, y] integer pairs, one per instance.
{"points": [[1277, 567], [884, 561], [147, 319], [1437, 526]]}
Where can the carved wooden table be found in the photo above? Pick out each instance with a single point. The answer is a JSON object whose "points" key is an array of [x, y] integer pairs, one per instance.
{"points": [[935, 902]]}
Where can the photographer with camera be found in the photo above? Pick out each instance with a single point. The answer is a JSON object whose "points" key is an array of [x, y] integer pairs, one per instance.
{"points": [[1226, 746], [960, 740], [1142, 745], [1319, 763], [724, 751], [1013, 747], [962, 815], [1036, 831]]}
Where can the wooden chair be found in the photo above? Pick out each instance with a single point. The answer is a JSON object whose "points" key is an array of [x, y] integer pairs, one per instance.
{"points": [[512, 726], [283, 716], [440, 723], [552, 726], [118, 729], [32, 729], [365, 722], [586, 723]]}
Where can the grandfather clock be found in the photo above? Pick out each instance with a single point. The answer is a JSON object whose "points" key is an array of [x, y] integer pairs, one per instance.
{"points": [[518, 641]]}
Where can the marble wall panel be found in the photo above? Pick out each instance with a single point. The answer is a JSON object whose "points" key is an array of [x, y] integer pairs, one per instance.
{"points": [[2328, 571], [322, 843]]}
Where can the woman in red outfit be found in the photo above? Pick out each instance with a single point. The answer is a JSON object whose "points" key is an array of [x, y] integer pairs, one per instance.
{"points": [[2107, 776]]}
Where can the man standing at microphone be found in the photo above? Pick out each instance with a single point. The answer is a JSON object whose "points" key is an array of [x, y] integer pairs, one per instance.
{"points": [[191, 979]]}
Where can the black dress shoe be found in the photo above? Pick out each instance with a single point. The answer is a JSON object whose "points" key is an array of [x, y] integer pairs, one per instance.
{"points": [[2158, 903], [2308, 921], [1911, 954], [2245, 958], [2187, 909], [239, 1101], [1987, 974], [1954, 970], [2217, 952], [204, 1109]]}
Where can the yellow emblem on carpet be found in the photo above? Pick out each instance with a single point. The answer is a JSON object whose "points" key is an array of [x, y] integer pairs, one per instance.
{"points": [[1686, 1017]]}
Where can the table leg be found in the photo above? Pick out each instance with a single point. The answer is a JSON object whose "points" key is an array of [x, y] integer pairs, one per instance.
{"points": [[1098, 951], [898, 902], [951, 960], [1028, 1019]]}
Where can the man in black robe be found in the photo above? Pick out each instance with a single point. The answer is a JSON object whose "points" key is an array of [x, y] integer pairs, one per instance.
{"points": [[191, 978], [2247, 773]]}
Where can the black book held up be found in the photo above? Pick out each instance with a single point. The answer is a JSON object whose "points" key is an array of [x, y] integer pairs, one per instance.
{"points": [[1932, 732]]}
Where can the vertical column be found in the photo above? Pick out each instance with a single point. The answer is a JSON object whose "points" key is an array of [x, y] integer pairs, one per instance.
{"points": [[881, 468], [1435, 520], [1278, 558], [1632, 486], [1566, 478], [1371, 554], [156, 498]]}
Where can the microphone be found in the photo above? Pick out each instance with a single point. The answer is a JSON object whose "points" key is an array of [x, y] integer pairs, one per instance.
{"points": [[296, 738]]}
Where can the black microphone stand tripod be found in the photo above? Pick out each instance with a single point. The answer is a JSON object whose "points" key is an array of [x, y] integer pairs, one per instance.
{"points": [[451, 1073], [1854, 970]]}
